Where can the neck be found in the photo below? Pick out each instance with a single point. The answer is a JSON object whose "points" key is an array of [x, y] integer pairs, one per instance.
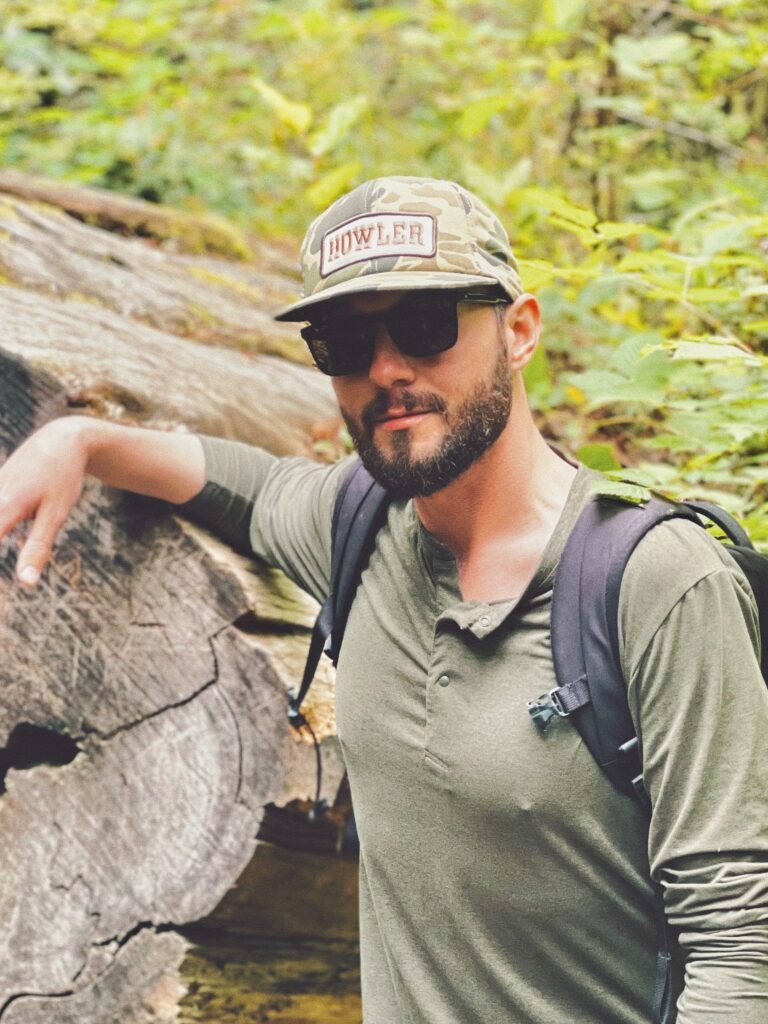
{"points": [[515, 491]]}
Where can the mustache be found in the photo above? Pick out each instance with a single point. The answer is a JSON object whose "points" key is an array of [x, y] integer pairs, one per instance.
{"points": [[410, 401]]}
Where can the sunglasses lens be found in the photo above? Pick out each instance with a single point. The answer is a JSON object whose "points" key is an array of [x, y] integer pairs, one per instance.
{"points": [[341, 345], [424, 324]]}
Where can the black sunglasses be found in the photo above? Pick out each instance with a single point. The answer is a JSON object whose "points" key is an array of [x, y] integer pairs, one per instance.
{"points": [[423, 323]]}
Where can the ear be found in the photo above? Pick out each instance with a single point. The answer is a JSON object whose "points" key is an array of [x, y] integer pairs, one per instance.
{"points": [[522, 324]]}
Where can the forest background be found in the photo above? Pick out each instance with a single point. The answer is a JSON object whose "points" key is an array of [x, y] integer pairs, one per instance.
{"points": [[624, 146]]}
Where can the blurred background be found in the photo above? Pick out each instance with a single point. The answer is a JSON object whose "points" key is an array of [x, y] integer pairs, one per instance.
{"points": [[624, 146]]}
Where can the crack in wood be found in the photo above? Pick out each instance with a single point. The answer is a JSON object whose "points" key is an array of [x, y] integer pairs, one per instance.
{"points": [[118, 942], [33, 995], [89, 731]]}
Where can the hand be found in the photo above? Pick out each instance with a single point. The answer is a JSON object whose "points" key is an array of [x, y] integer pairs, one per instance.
{"points": [[42, 480]]}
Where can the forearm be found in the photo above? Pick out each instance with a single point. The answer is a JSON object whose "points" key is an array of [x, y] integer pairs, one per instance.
{"points": [[160, 464]]}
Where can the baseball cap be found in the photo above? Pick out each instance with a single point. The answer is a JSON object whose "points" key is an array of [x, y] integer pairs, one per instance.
{"points": [[403, 233]]}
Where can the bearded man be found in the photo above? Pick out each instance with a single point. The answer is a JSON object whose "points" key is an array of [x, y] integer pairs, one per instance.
{"points": [[502, 876]]}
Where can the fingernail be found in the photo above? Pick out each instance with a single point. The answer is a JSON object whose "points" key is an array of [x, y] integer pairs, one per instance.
{"points": [[29, 574]]}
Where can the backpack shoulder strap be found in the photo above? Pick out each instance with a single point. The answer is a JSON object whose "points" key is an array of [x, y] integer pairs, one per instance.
{"points": [[361, 508], [733, 530], [753, 563], [585, 650], [358, 514], [585, 641]]}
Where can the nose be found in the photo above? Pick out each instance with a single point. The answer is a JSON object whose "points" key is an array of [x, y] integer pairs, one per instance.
{"points": [[389, 366]]}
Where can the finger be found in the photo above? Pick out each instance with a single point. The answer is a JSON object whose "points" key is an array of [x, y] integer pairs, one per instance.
{"points": [[37, 549], [12, 512]]}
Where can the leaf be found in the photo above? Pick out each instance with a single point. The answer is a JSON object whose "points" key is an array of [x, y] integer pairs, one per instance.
{"points": [[337, 124], [636, 475], [598, 456], [296, 116], [756, 327], [652, 197], [713, 295], [476, 115], [630, 352], [617, 229], [490, 184], [536, 273], [565, 14], [724, 238], [635, 55], [575, 395], [585, 235], [704, 350], [330, 186], [632, 494], [548, 202]]}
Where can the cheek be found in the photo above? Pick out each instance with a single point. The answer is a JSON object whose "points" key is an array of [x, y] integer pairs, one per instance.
{"points": [[352, 393]]}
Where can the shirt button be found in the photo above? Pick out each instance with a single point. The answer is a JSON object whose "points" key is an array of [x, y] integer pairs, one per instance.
{"points": [[444, 680], [485, 621]]}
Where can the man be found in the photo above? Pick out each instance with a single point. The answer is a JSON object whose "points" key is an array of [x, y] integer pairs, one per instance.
{"points": [[503, 878]]}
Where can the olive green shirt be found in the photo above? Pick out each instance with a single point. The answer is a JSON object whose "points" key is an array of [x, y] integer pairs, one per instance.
{"points": [[503, 879]]}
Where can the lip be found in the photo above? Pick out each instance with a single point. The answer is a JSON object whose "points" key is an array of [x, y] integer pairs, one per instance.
{"points": [[399, 419]]}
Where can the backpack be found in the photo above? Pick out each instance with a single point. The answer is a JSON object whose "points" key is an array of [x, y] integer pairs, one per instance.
{"points": [[585, 602]]}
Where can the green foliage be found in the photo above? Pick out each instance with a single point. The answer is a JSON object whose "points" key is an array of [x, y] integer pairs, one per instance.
{"points": [[623, 144]]}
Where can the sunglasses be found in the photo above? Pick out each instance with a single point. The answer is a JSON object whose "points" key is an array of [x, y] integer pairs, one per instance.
{"points": [[423, 323]]}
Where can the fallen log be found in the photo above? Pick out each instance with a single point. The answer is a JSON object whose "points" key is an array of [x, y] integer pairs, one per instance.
{"points": [[202, 297], [150, 734], [144, 682], [137, 217]]}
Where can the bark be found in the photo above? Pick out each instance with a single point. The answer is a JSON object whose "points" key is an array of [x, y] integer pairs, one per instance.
{"points": [[126, 372], [109, 210], [212, 300], [144, 682]]}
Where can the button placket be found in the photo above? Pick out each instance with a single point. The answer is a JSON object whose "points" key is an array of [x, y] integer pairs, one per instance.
{"points": [[439, 678]]}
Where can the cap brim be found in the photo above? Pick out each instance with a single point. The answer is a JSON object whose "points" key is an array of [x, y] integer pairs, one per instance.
{"points": [[392, 281]]}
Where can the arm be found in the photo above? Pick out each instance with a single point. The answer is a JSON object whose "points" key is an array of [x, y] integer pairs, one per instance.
{"points": [[43, 478], [701, 708], [279, 509]]}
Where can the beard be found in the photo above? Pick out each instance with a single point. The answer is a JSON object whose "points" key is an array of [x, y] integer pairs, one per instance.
{"points": [[472, 429]]}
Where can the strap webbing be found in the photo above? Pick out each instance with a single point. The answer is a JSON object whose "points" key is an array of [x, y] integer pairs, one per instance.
{"points": [[357, 515], [572, 696]]}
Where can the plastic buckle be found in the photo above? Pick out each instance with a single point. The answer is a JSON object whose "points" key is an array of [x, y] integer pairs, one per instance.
{"points": [[545, 708], [542, 714], [557, 703]]}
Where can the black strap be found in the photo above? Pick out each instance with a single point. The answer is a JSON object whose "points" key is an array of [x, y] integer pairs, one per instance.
{"points": [[358, 514], [733, 530], [585, 641], [360, 510], [585, 648]]}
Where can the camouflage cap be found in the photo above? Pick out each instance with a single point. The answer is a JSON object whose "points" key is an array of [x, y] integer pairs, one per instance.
{"points": [[396, 234]]}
